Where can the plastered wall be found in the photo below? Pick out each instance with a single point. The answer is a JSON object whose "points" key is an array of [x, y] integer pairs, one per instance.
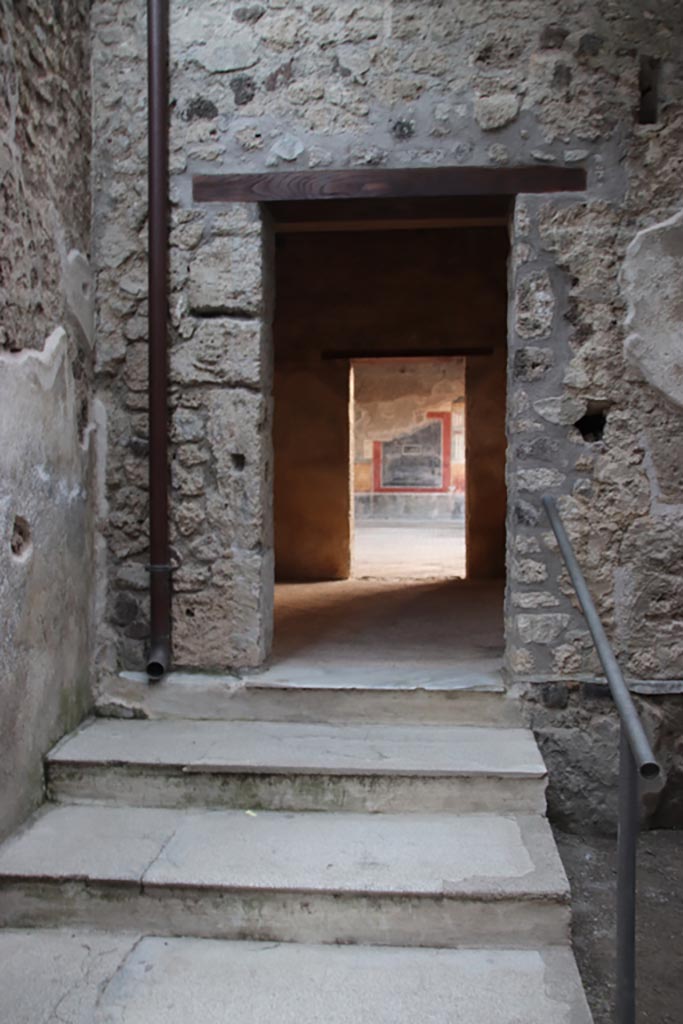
{"points": [[47, 434]]}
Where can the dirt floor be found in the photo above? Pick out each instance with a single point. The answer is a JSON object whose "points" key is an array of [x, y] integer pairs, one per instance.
{"points": [[590, 865], [431, 633]]}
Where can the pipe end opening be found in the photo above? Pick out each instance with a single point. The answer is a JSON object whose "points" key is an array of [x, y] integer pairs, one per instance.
{"points": [[155, 671]]}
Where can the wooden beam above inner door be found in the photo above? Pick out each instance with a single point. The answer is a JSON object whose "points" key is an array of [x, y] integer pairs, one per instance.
{"points": [[393, 183]]}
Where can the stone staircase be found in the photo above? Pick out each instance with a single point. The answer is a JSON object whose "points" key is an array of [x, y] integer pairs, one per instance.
{"points": [[345, 865]]}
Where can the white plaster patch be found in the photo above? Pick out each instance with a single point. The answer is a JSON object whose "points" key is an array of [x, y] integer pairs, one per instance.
{"points": [[79, 290]]}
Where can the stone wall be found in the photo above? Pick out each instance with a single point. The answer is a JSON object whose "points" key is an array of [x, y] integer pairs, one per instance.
{"points": [[46, 435], [303, 84]]}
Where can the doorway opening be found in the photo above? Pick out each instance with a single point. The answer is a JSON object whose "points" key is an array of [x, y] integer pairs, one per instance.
{"points": [[389, 441], [408, 474]]}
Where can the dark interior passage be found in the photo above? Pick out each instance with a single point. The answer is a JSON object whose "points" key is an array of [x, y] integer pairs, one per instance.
{"points": [[341, 295]]}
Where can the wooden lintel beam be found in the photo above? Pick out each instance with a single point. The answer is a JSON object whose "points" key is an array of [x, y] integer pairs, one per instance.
{"points": [[385, 183], [302, 227], [376, 355]]}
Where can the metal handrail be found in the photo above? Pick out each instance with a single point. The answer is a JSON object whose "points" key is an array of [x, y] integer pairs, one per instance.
{"points": [[636, 761]]}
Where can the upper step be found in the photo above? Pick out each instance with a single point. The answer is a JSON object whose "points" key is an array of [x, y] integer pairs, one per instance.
{"points": [[388, 879], [114, 979], [468, 698], [300, 766]]}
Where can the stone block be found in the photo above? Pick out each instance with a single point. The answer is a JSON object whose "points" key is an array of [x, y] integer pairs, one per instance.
{"points": [[492, 112], [651, 279], [233, 631], [534, 306], [539, 479], [204, 37], [543, 628], [226, 277], [528, 570], [560, 409], [221, 351]]}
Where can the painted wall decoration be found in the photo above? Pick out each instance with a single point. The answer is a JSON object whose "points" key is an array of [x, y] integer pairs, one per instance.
{"points": [[419, 460]]}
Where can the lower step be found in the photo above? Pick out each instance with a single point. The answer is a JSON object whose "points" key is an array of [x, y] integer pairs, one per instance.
{"points": [[423, 880], [113, 979]]}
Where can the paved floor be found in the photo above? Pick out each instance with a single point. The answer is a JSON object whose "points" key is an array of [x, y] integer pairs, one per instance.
{"points": [[399, 550], [439, 633]]}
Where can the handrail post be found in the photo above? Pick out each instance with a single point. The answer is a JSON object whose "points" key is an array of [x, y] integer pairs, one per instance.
{"points": [[629, 826]]}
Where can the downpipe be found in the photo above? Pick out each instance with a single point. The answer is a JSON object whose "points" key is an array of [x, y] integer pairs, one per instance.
{"points": [[159, 656]]}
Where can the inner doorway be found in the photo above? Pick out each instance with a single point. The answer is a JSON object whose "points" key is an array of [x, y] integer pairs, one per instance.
{"points": [[408, 472], [381, 292]]}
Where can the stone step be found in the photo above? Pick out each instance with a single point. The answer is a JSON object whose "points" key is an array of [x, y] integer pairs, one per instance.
{"points": [[386, 879], [469, 698], [118, 979], [299, 766]]}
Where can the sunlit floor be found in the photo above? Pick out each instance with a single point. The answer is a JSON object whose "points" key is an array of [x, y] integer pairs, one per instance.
{"points": [[438, 634], [414, 550]]}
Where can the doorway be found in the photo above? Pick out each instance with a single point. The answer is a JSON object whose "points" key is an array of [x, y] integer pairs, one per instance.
{"points": [[424, 308]]}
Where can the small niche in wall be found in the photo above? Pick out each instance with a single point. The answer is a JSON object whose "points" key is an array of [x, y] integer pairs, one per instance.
{"points": [[21, 544], [648, 85], [592, 424]]}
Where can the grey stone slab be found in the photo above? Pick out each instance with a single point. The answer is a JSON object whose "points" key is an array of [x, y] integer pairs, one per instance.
{"points": [[199, 696], [306, 747], [55, 976], [439, 854], [176, 981], [491, 855], [113, 843]]}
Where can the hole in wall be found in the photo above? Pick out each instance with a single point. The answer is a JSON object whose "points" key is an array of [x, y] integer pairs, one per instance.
{"points": [[592, 424], [21, 544], [238, 461], [648, 84]]}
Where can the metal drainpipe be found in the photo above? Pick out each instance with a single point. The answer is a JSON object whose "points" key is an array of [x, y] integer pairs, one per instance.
{"points": [[159, 657]]}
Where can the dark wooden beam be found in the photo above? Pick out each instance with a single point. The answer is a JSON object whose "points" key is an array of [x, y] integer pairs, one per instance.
{"points": [[393, 183], [419, 354]]}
